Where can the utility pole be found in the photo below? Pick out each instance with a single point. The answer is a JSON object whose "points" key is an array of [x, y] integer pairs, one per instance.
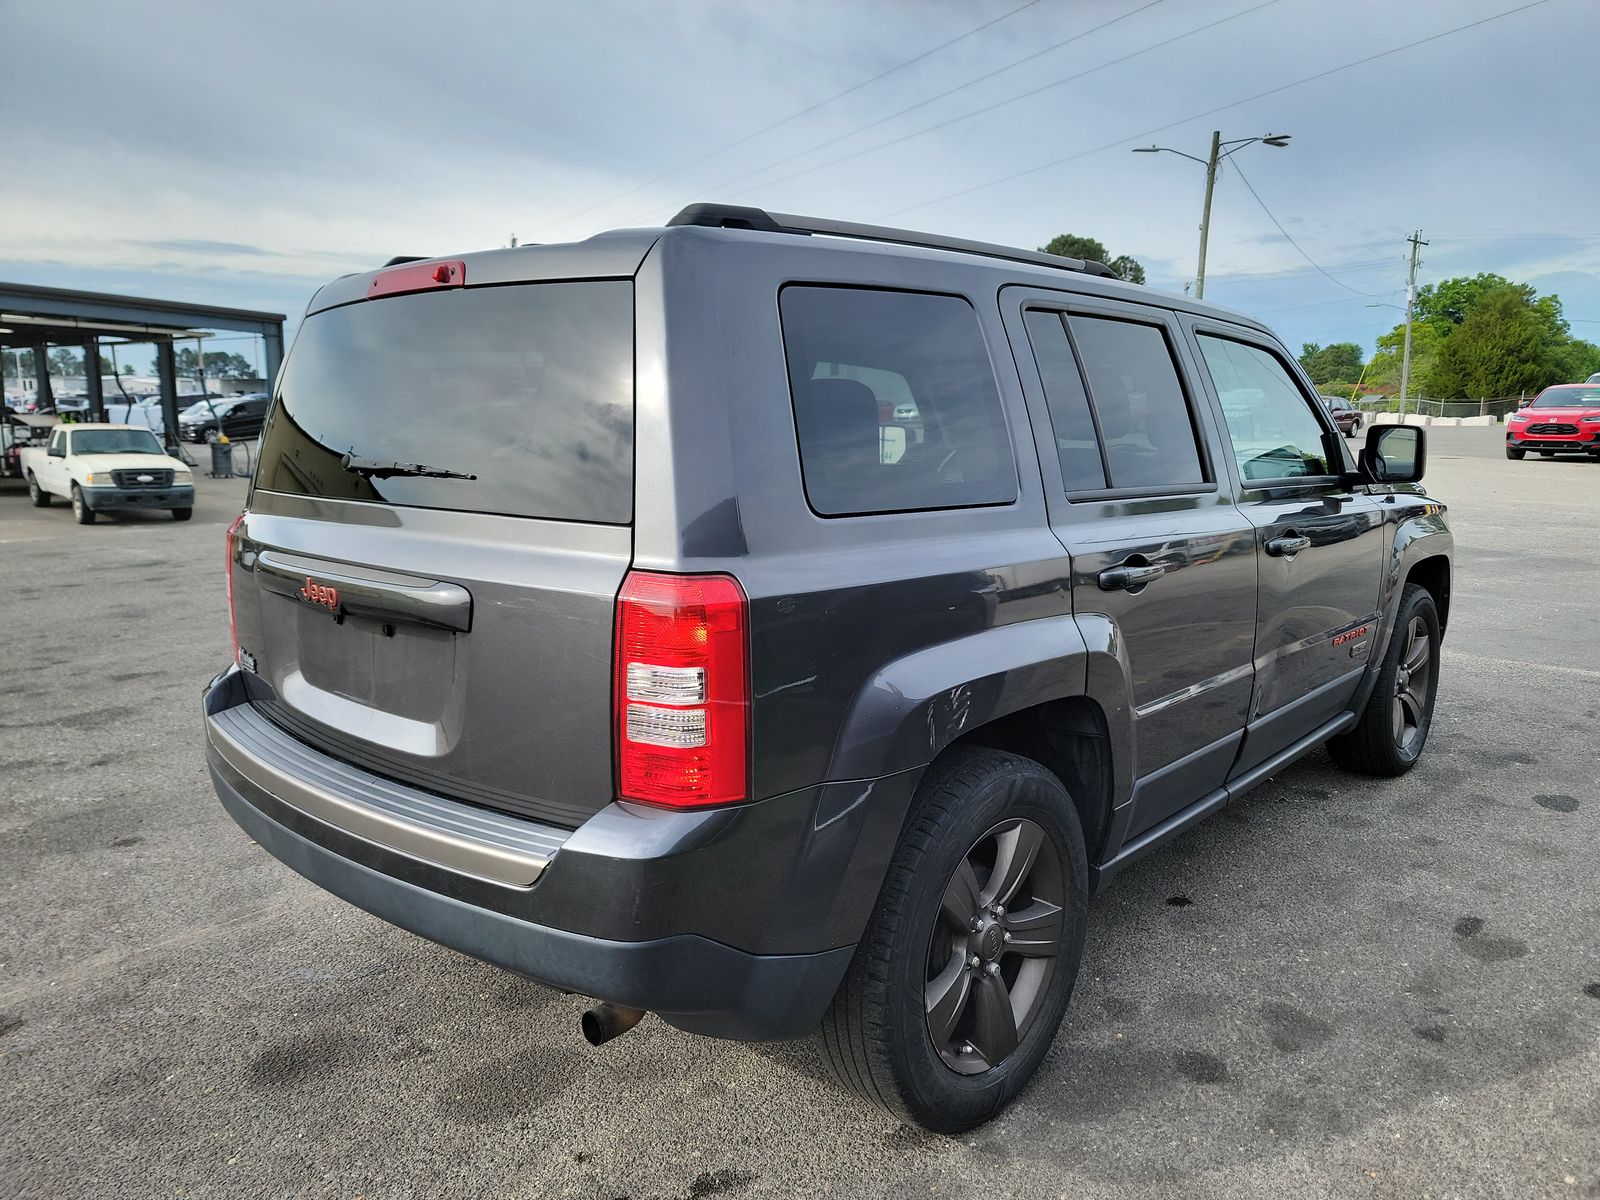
{"points": [[1411, 300], [1219, 151], [1205, 214]]}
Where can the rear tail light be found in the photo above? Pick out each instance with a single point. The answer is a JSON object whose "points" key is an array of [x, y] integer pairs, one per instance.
{"points": [[682, 690], [233, 624]]}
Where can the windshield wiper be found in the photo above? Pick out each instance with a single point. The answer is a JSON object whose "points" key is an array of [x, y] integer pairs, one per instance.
{"points": [[372, 468]]}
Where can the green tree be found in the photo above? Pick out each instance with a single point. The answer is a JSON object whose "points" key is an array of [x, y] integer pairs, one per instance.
{"points": [[1501, 348], [65, 362], [1446, 304], [1070, 245], [219, 365], [1383, 372], [1574, 361], [127, 368], [1342, 360]]}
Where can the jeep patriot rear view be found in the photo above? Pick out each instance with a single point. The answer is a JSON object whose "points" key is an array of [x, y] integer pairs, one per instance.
{"points": [[781, 625]]}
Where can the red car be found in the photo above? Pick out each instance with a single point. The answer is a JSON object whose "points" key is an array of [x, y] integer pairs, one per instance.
{"points": [[1563, 419]]}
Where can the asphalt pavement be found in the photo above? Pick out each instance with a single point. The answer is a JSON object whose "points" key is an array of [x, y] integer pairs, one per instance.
{"points": [[1337, 987]]}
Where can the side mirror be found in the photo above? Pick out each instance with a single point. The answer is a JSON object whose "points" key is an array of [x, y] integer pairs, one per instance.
{"points": [[1394, 454], [58, 451]]}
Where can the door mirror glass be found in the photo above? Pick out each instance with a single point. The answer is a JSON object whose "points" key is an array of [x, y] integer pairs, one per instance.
{"points": [[58, 451], [1394, 454]]}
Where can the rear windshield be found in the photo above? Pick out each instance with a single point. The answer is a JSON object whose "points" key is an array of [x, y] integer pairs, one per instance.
{"points": [[528, 388]]}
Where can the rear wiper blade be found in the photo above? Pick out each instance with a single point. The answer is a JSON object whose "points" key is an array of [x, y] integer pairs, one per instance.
{"points": [[373, 468]]}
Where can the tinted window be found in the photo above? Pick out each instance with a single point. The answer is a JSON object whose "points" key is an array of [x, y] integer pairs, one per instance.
{"points": [[1144, 417], [1275, 433], [530, 388], [895, 402], [1077, 444]]}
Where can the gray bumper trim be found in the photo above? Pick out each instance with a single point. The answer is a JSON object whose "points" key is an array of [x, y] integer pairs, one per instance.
{"points": [[691, 982], [459, 837]]}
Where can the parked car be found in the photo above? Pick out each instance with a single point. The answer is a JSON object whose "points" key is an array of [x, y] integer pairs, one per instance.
{"points": [[1562, 419], [102, 467], [1595, 378], [234, 416], [1346, 415], [711, 705]]}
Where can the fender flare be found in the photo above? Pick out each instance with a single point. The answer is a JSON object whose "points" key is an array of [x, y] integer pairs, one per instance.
{"points": [[908, 711], [1423, 535]]}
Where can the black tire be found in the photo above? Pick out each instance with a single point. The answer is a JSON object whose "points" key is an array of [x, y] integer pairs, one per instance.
{"points": [[1515, 454], [877, 1035], [182, 514], [1394, 725], [81, 512], [36, 494]]}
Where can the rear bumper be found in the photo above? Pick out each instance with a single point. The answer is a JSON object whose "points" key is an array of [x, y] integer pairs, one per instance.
{"points": [[734, 923], [101, 498]]}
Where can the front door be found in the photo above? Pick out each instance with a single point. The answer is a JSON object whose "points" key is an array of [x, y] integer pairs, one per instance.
{"points": [[1162, 559], [1320, 540]]}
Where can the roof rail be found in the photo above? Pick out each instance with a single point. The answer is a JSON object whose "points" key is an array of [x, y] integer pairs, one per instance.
{"points": [[733, 216]]}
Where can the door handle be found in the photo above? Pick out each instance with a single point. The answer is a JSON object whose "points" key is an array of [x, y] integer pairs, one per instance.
{"points": [[1288, 545], [1128, 577]]}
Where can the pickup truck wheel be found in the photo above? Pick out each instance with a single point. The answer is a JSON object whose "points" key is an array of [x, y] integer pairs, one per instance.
{"points": [[40, 497], [1516, 454], [182, 514], [81, 512], [960, 982], [1394, 725]]}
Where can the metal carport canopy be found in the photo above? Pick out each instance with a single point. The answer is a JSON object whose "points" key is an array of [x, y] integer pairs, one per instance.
{"points": [[36, 316]]}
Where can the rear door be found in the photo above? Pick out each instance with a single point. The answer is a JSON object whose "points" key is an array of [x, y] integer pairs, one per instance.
{"points": [[1160, 554], [439, 525], [1321, 539]]}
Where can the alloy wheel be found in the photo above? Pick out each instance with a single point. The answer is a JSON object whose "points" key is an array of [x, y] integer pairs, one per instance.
{"points": [[1411, 686], [994, 946]]}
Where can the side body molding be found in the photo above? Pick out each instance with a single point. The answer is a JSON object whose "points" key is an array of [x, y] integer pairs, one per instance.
{"points": [[915, 706]]}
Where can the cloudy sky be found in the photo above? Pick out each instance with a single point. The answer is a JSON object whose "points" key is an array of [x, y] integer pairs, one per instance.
{"points": [[243, 154]]}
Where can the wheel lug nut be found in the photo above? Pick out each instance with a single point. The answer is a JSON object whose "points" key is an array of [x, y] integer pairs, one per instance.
{"points": [[972, 961], [992, 969], [999, 910]]}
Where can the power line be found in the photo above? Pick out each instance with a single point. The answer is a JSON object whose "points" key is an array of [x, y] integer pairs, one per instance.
{"points": [[714, 188], [795, 116], [978, 187], [1290, 239]]}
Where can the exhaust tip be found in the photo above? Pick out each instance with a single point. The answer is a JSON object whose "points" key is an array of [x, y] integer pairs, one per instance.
{"points": [[606, 1021]]}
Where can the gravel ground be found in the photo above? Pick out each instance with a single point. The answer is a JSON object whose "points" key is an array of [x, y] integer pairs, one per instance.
{"points": [[1337, 987]]}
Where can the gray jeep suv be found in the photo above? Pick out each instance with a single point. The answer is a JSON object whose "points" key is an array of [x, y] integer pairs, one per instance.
{"points": [[601, 610]]}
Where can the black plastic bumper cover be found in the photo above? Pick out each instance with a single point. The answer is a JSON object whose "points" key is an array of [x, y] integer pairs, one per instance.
{"points": [[692, 982]]}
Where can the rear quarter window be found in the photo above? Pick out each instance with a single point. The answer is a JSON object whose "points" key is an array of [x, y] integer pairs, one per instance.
{"points": [[895, 403]]}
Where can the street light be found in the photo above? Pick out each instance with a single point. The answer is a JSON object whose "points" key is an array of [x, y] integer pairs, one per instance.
{"points": [[1219, 151]]}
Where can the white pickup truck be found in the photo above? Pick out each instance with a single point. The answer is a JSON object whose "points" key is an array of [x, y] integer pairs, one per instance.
{"points": [[102, 467]]}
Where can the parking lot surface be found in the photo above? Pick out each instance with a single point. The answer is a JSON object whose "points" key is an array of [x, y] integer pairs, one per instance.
{"points": [[1336, 987]]}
